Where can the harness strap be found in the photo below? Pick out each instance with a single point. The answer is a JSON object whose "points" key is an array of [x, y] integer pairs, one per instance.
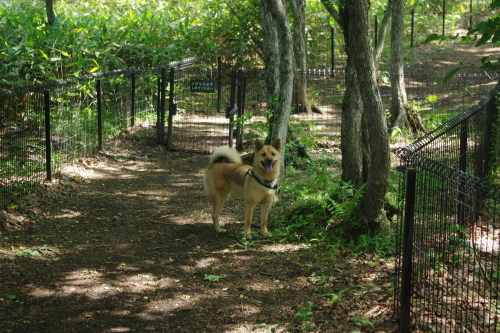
{"points": [[265, 183]]}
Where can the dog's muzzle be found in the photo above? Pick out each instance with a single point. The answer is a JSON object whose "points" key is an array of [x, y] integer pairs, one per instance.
{"points": [[268, 164]]}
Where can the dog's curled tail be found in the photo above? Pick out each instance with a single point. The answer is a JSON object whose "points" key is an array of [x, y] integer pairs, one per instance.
{"points": [[225, 154]]}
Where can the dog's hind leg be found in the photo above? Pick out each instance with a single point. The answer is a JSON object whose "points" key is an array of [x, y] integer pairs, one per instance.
{"points": [[217, 200], [266, 208]]}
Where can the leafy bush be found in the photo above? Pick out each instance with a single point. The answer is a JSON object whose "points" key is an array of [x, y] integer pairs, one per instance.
{"points": [[316, 206]]}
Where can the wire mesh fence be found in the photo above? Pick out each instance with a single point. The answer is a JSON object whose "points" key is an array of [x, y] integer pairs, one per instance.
{"points": [[48, 125], [200, 123], [449, 270], [89, 110]]}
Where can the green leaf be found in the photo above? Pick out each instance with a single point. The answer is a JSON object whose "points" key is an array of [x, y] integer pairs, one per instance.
{"points": [[94, 69], [433, 37], [450, 75], [337, 297], [12, 297], [211, 277], [362, 321], [132, 14], [43, 54]]}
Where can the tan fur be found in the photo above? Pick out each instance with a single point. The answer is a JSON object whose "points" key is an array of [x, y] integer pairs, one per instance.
{"points": [[225, 172]]}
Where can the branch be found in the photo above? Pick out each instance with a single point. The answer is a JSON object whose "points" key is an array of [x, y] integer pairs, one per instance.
{"points": [[328, 4]]}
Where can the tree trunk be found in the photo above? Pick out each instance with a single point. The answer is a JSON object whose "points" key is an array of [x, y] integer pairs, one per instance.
{"points": [[279, 53], [360, 50], [351, 144], [51, 16], [300, 98], [398, 90], [400, 116], [382, 33], [270, 55]]}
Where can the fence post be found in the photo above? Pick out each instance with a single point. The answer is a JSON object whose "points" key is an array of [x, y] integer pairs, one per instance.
{"points": [[132, 99], [231, 107], [172, 107], [463, 167], [163, 90], [487, 153], [48, 135], [470, 17], [407, 262], [444, 14], [412, 26], [219, 82], [158, 107], [239, 105], [332, 49], [99, 114]]}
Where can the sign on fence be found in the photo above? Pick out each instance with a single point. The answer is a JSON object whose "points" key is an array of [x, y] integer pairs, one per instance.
{"points": [[206, 86]]}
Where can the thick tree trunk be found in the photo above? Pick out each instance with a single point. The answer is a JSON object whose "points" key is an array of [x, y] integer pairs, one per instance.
{"points": [[351, 144], [280, 54], [300, 99], [271, 55], [51, 16], [361, 54]]}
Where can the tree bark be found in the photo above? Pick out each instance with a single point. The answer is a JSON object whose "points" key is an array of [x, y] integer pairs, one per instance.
{"points": [[51, 16], [360, 50], [270, 55], [279, 54], [300, 98], [398, 90], [351, 144], [399, 102], [382, 32]]}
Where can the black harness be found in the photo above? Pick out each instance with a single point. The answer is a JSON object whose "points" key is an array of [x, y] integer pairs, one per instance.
{"points": [[265, 183]]}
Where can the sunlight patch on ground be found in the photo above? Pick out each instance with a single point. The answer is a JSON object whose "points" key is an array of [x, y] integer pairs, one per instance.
{"points": [[283, 247], [95, 285], [206, 262], [158, 309], [66, 214]]}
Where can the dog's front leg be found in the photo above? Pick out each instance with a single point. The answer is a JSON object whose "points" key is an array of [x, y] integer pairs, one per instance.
{"points": [[248, 219], [266, 208]]}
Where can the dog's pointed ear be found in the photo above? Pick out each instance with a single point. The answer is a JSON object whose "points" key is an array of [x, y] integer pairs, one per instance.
{"points": [[277, 144], [258, 144]]}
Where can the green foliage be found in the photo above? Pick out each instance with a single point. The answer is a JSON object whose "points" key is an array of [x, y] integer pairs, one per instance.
{"points": [[303, 314], [489, 28], [337, 297], [95, 36], [315, 206]]}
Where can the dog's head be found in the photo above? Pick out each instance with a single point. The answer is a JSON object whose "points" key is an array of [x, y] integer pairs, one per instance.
{"points": [[267, 158]]}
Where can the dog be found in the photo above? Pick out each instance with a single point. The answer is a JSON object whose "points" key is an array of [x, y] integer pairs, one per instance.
{"points": [[255, 184]]}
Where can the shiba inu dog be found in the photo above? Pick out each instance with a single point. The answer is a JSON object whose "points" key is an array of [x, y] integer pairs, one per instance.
{"points": [[255, 184]]}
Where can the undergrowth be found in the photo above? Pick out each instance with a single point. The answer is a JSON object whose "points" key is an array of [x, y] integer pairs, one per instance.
{"points": [[317, 207]]}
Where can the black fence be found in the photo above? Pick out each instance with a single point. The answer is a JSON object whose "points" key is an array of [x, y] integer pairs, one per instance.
{"points": [[48, 125], [195, 105], [449, 270]]}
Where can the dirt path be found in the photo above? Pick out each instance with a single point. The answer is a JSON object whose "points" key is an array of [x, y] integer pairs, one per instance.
{"points": [[124, 244]]}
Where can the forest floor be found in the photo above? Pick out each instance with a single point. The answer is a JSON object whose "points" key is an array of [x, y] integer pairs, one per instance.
{"points": [[123, 242]]}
